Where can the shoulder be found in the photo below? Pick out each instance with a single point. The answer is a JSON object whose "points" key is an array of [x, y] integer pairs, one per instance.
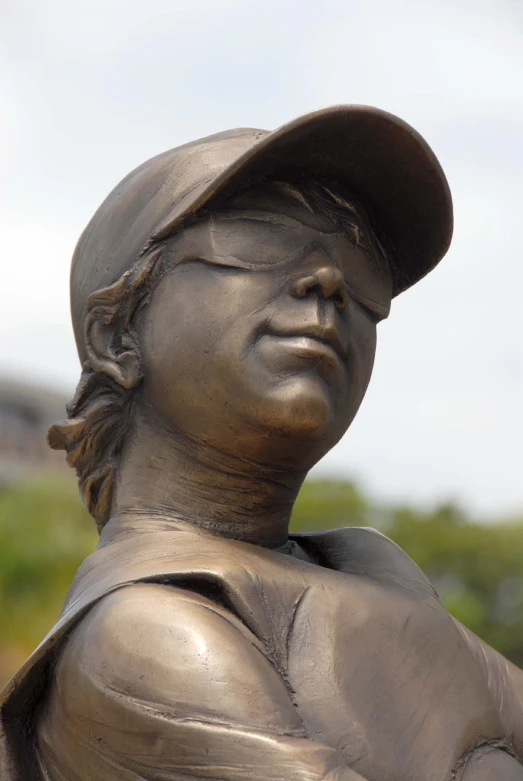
{"points": [[174, 649], [505, 683], [366, 551]]}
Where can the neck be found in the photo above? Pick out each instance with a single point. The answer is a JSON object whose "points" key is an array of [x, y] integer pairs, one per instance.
{"points": [[165, 473]]}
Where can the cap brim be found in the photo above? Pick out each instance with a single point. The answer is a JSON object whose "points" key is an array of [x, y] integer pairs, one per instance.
{"points": [[388, 166]]}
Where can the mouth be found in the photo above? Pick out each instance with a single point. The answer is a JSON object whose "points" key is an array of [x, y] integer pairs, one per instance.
{"points": [[308, 348]]}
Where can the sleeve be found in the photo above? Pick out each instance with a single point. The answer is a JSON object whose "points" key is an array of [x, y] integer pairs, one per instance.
{"points": [[505, 682], [159, 684]]}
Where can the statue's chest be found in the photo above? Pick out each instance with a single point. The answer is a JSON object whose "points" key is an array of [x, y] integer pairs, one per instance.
{"points": [[383, 674]]}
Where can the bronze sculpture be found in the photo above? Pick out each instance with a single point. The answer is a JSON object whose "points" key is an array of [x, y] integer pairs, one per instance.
{"points": [[225, 299]]}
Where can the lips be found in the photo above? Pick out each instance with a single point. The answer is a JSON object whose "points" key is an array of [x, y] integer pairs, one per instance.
{"points": [[309, 343], [312, 341], [309, 347]]}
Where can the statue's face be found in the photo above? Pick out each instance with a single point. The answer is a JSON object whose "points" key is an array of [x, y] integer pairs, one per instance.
{"points": [[261, 338]]}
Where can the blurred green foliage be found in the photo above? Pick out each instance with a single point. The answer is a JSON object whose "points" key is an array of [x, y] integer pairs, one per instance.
{"points": [[477, 568], [45, 532]]}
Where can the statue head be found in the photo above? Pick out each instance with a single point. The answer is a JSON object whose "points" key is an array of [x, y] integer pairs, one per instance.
{"points": [[235, 285]]}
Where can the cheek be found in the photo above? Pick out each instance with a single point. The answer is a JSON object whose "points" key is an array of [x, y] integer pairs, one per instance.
{"points": [[368, 347], [175, 327], [196, 328], [362, 357]]}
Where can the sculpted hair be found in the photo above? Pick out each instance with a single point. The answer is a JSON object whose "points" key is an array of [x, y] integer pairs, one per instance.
{"points": [[99, 415], [100, 411]]}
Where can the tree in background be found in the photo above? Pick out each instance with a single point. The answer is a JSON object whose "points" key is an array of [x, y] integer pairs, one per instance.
{"points": [[45, 533]]}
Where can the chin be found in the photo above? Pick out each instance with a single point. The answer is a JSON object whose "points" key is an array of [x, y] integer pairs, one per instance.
{"points": [[300, 408]]}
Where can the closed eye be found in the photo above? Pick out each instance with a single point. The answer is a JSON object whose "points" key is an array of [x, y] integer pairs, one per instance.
{"points": [[373, 309]]}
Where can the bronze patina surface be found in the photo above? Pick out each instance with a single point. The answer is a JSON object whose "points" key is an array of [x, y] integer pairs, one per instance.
{"points": [[225, 301]]}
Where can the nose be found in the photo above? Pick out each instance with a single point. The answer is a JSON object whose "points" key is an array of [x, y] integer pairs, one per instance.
{"points": [[327, 281]]}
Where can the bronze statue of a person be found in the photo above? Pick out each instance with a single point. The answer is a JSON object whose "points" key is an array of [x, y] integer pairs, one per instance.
{"points": [[225, 299]]}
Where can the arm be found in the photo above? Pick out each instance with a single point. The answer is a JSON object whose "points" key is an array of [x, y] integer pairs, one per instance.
{"points": [[505, 682], [163, 684]]}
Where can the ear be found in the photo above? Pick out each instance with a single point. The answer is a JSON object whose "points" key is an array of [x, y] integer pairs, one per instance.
{"points": [[112, 351]]}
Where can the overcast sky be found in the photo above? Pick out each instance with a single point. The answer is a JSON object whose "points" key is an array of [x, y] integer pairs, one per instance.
{"points": [[91, 88]]}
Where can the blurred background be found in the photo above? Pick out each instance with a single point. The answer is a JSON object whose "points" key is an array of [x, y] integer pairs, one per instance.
{"points": [[91, 88]]}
